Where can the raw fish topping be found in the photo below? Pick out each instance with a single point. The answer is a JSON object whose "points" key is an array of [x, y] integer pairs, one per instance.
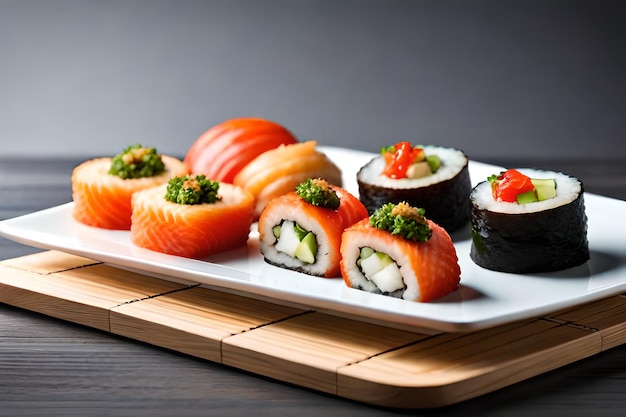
{"points": [[403, 160], [512, 186]]}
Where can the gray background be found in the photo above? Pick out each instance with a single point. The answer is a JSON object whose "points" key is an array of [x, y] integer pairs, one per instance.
{"points": [[494, 78]]}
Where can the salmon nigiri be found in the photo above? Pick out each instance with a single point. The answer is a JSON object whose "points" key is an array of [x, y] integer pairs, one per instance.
{"points": [[280, 170], [224, 149], [191, 216], [301, 230], [400, 253], [102, 187]]}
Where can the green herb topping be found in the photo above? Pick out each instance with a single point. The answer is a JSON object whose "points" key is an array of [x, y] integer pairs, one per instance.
{"points": [[403, 220], [318, 192], [192, 190], [493, 178], [137, 162]]}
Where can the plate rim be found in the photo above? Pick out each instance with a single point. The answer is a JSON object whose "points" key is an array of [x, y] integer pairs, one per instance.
{"points": [[32, 238]]}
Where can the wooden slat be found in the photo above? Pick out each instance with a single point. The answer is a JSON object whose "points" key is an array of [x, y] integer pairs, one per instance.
{"points": [[81, 294], [53, 297], [606, 316], [447, 369], [307, 350], [194, 321], [117, 284], [48, 262]]}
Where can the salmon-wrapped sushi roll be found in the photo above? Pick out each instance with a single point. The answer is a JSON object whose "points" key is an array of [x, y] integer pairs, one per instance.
{"points": [[191, 216], [301, 230], [102, 187], [400, 253]]}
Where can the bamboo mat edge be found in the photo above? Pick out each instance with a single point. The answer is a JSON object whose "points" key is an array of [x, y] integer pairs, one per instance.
{"points": [[360, 361]]}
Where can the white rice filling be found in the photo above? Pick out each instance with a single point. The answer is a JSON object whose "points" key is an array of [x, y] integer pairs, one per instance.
{"points": [[567, 190], [268, 242], [452, 162], [359, 280]]}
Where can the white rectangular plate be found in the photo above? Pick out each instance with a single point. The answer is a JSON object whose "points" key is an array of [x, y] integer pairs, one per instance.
{"points": [[484, 299]]}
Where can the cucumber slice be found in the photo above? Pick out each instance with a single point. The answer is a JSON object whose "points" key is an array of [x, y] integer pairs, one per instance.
{"points": [[300, 231], [527, 197], [375, 263], [381, 270], [295, 241], [365, 252], [433, 163], [546, 188], [388, 279], [307, 248], [289, 241]]}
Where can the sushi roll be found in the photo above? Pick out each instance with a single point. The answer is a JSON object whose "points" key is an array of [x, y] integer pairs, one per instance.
{"points": [[280, 170], [434, 178], [191, 216], [102, 187], [398, 252], [528, 221], [301, 230]]}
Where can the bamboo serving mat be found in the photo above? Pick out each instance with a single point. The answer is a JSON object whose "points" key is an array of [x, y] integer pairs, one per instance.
{"points": [[361, 361]]}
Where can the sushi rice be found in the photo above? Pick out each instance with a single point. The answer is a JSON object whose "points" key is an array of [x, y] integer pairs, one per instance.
{"points": [[568, 188], [452, 162], [408, 288], [285, 260]]}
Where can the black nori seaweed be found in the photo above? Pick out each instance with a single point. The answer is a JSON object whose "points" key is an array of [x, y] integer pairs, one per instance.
{"points": [[295, 268], [544, 241], [446, 202]]}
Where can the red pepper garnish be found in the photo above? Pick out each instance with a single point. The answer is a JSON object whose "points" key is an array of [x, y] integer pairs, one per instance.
{"points": [[398, 161], [509, 184]]}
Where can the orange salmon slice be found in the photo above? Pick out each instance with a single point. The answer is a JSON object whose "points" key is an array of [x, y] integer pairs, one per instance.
{"points": [[104, 200], [192, 231]]}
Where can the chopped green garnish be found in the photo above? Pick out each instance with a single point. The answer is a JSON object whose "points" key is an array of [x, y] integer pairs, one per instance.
{"points": [[137, 162], [192, 190], [403, 220], [318, 192]]}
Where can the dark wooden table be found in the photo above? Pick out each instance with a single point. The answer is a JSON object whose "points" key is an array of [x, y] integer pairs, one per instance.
{"points": [[52, 367]]}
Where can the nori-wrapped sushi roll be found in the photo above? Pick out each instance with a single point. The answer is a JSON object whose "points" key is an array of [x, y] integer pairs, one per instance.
{"points": [[529, 221], [441, 185]]}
